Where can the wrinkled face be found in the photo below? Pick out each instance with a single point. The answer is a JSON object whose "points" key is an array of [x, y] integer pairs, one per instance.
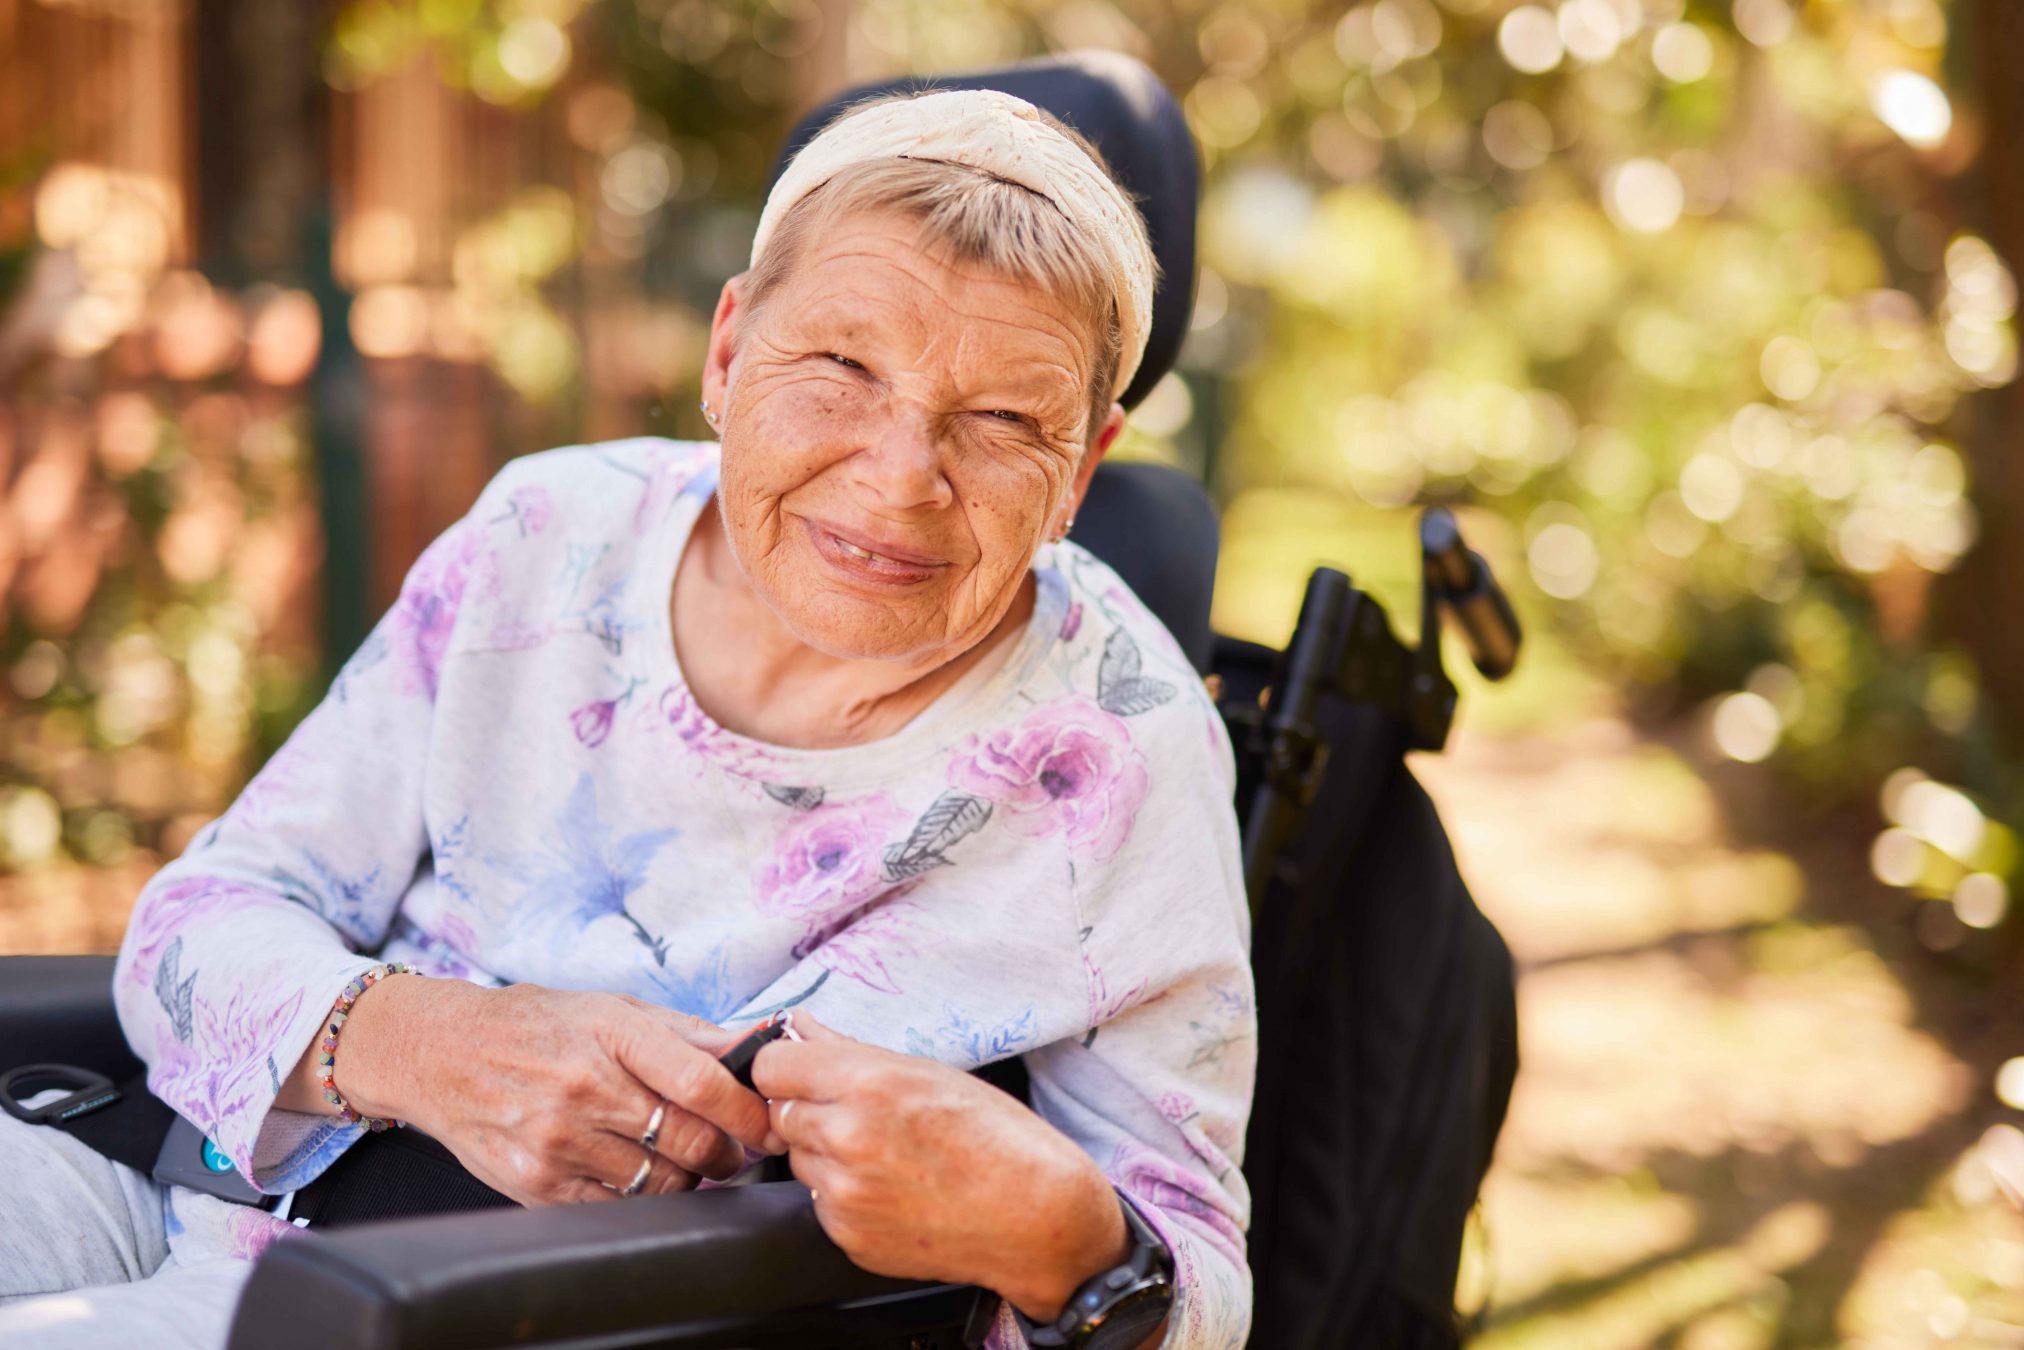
{"points": [[900, 434]]}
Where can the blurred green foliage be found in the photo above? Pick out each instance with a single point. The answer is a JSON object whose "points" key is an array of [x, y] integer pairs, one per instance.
{"points": [[1668, 294], [1672, 294]]}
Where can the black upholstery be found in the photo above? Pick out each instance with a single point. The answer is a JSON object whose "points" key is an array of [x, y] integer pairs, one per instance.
{"points": [[1158, 530], [58, 1010], [1124, 110], [745, 1266]]}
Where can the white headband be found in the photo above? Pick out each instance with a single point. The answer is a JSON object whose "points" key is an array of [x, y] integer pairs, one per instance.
{"points": [[1003, 136]]}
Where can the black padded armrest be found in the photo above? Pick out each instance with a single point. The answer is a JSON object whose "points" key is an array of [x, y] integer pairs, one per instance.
{"points": [[745, 1266], [58, 1010]]}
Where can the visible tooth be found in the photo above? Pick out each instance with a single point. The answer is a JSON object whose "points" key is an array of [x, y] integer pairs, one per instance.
{"points": [[854, 551]]}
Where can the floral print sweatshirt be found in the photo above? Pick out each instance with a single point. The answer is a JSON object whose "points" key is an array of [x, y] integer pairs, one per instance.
{"points": [[509, 781]]}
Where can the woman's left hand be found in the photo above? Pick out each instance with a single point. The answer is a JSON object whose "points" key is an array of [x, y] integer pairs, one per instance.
{"points": [[921, 1171]]}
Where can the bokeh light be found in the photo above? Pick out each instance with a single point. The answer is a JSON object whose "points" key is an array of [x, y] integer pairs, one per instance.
{"points": [[1913, 106], [1530, 40]]}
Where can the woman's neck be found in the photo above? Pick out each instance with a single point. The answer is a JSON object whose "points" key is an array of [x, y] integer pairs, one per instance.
{"points": [[750, 673]]}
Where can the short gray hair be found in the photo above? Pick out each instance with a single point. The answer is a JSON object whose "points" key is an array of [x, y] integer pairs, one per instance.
{"points": [[980, 218]]}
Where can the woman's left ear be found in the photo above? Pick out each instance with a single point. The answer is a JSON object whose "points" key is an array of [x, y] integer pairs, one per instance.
{"points": [[1105, 437]]}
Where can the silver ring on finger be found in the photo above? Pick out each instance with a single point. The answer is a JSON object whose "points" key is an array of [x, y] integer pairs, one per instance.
{"points": [[639, 1180], [653, 1134]]}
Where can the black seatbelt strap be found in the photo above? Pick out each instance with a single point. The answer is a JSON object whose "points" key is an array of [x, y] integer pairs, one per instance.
{"points": [[124, 1122], [398, 1174], [393, 1174]]}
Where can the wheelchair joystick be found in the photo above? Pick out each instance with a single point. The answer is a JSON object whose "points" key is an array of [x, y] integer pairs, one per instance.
{"points": [[1459, 582]]}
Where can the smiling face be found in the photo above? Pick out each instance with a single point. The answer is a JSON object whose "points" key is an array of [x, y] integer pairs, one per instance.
{"points": [[901, 431]]}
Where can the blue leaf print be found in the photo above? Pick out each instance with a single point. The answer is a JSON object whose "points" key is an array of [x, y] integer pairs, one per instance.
{"points": [[604, 618], [596, 869], [340, 900], [1234, 1003], [980, 1044], [446, 850], [1210, 1043], [369, 654], [581, 558], [705, 992], [755, 1014]]}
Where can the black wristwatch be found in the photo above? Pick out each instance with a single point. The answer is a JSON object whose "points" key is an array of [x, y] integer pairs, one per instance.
{"points": [[1119, 1308]]}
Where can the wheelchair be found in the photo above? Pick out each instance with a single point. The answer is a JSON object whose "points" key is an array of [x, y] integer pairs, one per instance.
{"points": [[1386, 1012]]}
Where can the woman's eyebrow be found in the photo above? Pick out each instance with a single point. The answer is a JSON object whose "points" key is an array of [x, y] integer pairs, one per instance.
{"points": [[1040, 382]]}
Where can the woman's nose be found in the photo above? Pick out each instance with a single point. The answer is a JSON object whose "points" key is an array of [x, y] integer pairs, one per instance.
{"points": [[901, 469]]}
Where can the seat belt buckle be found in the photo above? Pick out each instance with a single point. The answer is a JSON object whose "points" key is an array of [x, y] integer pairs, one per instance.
{"points": [[86, 1092], [191, 1160]]}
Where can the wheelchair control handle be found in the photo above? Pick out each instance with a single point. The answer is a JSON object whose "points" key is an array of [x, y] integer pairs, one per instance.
{"points": [[1460, 583]]}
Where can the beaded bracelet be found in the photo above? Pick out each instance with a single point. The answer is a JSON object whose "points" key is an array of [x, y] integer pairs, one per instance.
{"points": [[327, 1060]]}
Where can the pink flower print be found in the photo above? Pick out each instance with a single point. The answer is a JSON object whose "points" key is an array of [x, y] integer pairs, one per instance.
{"points": [[161, 916], [531, 507], [682, 714], [592, 722], [1069, 767], [253, 1231], [688, 719], [1175, 1106], [1103, 1003], [274, 783], [666, 481], [426, 612], [1072, 624], [458, 933], [859, 950], [515, 636], [215, 1078], [830, 861], [1168, 1188]]}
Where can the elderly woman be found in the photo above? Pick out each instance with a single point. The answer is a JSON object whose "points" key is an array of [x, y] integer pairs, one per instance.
{"points": [[664, 737]]}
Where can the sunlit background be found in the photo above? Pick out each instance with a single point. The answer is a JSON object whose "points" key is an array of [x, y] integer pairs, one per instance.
{"points": [[1702, 312]]}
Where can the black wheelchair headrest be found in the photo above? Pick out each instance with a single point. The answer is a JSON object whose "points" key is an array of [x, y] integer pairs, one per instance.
{"points": [[1124, 110]]}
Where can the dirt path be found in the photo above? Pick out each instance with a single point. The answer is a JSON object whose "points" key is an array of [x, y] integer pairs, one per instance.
{"points": [[1751, 1110]]}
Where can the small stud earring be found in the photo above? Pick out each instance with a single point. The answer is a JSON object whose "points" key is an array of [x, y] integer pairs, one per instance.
{"points": [[709, 416]]}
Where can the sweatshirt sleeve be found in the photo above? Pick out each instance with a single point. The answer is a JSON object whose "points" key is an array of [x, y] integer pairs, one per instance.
{"points": [[237, 949], [1159, 1091]]}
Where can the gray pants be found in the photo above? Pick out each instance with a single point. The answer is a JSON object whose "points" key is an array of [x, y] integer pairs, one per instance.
{"points": [[94, 1255]]}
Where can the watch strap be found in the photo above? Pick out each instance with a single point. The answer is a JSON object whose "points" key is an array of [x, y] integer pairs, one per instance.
{"points": [[1115, 1309]]}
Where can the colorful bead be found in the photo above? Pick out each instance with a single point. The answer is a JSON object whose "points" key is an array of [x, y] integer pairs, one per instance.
{"points": [[327, 1060]]}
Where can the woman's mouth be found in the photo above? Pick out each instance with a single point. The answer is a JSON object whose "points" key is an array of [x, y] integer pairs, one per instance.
{"points": [[864, 559]]}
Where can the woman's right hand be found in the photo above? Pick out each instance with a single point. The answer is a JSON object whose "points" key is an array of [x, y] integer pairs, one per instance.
{"points": [[544, 1093]]}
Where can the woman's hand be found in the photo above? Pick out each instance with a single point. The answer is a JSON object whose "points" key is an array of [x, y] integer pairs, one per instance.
{"points": [[922, 1172], [543, 1093]]}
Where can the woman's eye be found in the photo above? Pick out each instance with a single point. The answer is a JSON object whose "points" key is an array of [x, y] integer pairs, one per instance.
{"points": [[842, 360], [1007, 415]]}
